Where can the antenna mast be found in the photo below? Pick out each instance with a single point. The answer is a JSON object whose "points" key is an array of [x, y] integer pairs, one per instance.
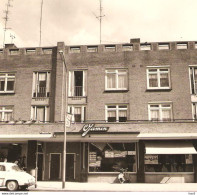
{"points": [[41, 23], [6, 18], [100, 18]]}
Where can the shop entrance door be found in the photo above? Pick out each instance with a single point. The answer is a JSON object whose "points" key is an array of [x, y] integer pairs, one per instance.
{"points": [[40, 166], [70, 167], [55, 159]]}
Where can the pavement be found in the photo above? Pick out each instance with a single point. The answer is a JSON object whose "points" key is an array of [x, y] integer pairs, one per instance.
{"points": [[113, 187]]}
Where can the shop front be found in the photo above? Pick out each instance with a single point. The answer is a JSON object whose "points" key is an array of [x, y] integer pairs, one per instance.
{"points": [[169, 161]]}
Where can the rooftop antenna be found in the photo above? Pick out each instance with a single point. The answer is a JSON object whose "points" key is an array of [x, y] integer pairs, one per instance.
{"points": [[41, 23], [100, 19], [6, 18]]}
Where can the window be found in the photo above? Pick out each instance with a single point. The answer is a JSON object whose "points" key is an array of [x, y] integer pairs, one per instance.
{"points": [[181, 45], [168, 163], [7, 81], [77, 112], [158, 78], [74, 49], [145, 47], [92, 49], [194, 111], [40, 113], [110, 48], [6, 113], [77, 83], [1, 51], [14, 51], [160, 112], [30, 51], [116, 113], [164, 46], [116, 79], [127, 48], [111, 157], [47, 50], [193, 80], [41, 84]]}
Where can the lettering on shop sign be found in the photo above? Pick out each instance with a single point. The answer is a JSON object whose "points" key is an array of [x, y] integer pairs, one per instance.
{"points": [[151, 159], [91, 127]]}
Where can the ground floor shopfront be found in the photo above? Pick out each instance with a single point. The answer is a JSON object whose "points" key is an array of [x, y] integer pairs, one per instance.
{"points": [[98, 156]]}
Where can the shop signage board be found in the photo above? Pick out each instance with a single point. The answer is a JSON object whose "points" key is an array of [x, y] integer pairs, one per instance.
{"points": [[91, 128], [151, 159]]}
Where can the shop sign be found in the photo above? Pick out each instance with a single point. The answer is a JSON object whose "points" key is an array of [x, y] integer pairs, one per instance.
{"points": [[91, 128], [151, 159]]}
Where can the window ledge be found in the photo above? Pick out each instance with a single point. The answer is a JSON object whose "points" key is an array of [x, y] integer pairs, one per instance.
{"points": [[116, 91], [7, 93], [158, 90]]}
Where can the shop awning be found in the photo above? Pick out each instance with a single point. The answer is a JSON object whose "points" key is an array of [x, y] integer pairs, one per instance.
{"points": [[170, 148]]}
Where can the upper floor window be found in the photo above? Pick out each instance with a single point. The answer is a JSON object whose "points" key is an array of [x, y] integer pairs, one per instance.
{"points": [[164, 46], [158, 78], [160, 112], [110, 48], [194, 111], [77, 83], [182, 45], [127, 47], [77, 113], [47, 50], [7, 81], [193, 79], [92, 49], [40, 113], [116, 79], [6, 113], [41, 84], [145, 46], [14, 51], [116, 113], [30, 51], [75, 50]]}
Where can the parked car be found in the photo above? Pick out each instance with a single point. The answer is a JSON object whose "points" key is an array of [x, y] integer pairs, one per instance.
{"points": [[13, 178]]}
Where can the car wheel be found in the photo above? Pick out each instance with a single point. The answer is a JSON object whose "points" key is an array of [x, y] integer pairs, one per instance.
{"points": [[12, 185]]}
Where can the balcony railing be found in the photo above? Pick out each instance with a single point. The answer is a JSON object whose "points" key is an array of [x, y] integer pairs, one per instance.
{"points": [[78, 91], [41, 92]]}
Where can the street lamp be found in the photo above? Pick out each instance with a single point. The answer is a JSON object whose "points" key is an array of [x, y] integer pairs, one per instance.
{"points": [[65, 116]]}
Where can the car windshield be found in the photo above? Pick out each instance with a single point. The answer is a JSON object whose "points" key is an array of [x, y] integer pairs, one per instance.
{"points": [[16, 168]]}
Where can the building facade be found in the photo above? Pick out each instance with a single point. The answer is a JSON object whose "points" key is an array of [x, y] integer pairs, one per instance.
{"points": [[129, 106]]}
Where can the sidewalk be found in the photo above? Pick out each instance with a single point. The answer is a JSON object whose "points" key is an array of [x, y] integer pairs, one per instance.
{"points": [[131, 187]]}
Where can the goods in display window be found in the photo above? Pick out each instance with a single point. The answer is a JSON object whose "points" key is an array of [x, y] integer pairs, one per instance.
{"points": [[111, 157], [168, 163]]}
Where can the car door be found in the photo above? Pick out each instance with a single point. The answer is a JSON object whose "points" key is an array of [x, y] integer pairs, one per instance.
{"points": [[2, 174]]}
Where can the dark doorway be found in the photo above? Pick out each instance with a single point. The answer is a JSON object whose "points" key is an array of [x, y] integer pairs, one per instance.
{"points": [[40, 166], [70, 167], [14, 152], [78, 83], [55, 167]]}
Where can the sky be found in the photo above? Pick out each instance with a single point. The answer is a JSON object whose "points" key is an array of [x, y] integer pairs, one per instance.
{"points": [[74, 21]]}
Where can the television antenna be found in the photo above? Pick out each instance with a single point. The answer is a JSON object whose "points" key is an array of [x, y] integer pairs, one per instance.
{"points": [[6, 18], [41, 23], [12, 37], [100, 17]]}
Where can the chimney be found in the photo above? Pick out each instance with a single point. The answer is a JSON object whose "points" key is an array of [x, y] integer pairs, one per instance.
{"points": [[10, 46], [137, 40]]}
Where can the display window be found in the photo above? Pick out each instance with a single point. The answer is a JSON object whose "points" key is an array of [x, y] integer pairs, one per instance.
{"points": [[111, 157], [168, 163]]}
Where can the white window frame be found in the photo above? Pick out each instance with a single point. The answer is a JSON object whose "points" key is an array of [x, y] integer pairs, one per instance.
{"points": [[158, 72], [164, 46], [6, 77], [117, 73], [4, 110], [72, 107], [35, 84], [117, 109], [160, 108], [46, 113], [71, 86]]}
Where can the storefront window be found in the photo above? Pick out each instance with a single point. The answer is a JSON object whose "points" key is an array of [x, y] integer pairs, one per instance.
{"points": [[111, 157], [168, 163]]}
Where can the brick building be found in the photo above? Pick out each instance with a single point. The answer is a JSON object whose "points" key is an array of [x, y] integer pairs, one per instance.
{"points": [[131, 106]]}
